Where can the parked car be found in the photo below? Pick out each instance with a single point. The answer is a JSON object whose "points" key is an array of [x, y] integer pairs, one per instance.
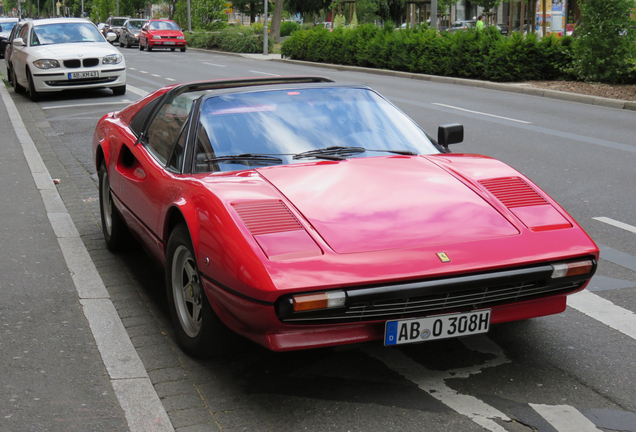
{"points": [[9, 49], [114, 24], [129, 33], [503, 29], [6, 25], [161, 34], [462, 25], [51, 55], [302, 213]]}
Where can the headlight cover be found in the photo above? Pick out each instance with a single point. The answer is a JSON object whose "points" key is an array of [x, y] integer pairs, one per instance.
{"points": [[156, 37], [46, 64], [112, 59], [181, 37]]}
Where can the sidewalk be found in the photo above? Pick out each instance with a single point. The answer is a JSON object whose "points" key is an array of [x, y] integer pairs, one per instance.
{"points": [[67, 365]]}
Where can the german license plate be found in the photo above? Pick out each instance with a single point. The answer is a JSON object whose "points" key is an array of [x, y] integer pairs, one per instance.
{"points": [[436, 327], [168, 43], [82, 75]]}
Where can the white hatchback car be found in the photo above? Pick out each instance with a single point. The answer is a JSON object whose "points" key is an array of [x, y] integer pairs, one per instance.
{"points": [[56, 54]]}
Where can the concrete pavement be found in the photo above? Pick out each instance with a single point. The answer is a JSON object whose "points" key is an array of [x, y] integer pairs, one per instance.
{"points": [[68, 361]]}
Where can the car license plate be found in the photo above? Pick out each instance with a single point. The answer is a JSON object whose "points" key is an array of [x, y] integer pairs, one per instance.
{"points": [[436, 327], [81, 75], [168, 43]]}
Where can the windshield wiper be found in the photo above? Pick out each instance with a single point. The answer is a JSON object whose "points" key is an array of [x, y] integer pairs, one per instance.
{"points": [[400, 152], [330, 153], [245, 157]]}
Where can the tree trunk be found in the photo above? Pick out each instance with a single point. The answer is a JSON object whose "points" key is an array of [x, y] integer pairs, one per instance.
{"points": [[276, 18]]}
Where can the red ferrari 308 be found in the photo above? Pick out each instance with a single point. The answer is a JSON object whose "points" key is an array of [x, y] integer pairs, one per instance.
{"points": [[301, 213]]}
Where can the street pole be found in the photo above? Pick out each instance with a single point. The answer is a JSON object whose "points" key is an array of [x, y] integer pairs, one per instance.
{"points": [[82, 7], [265, 30], [189, 20], [117, 10], [434, 14]]}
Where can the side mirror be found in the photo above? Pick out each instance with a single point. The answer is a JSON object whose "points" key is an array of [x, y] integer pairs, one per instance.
{"points": [[110, 36], [18, 42], [451, 133]]}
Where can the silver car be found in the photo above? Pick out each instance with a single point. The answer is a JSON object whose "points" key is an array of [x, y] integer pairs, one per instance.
{"points": [[129, 33]]}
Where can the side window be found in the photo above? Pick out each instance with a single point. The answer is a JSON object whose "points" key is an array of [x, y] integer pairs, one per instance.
{"points": [[166, 126], [23, 33]]}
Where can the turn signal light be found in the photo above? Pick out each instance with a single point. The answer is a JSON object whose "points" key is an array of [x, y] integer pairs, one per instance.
{"points": [[572, 269], [308, 302]]}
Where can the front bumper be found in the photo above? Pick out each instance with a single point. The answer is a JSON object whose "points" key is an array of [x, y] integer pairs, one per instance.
{"points": [[167, 43], [58, 79], [511, 295]]}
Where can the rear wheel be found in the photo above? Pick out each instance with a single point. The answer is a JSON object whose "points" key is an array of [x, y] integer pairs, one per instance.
{"points": [[115, 232], [16, 85], [199, 331]]}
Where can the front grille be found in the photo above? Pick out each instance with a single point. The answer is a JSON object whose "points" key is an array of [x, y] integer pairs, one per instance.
{"points": [[431, 297], [73, 64], [81, 81], [168, 37]]}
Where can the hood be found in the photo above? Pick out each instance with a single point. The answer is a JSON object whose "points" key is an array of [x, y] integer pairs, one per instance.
{"points": [[397, 202], [73, 51], [170, 33]]}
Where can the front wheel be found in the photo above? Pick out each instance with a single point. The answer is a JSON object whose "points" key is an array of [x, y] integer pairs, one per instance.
{"points": [[183, 49], [199, 331], [33, 93], [113, 226], [118, 91], [141, 47]]}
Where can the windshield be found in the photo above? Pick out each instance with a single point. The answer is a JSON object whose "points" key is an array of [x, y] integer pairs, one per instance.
{"points": [[136, 24], [6, 27], [118, 22], [301, 125], [50, 34], [163, 25]]}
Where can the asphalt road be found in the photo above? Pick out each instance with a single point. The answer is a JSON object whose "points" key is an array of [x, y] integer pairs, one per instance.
{"points": [[569, 372]]}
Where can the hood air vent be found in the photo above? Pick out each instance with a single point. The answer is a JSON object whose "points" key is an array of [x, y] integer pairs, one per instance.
{"points": [[267, 217], [513, 192]]}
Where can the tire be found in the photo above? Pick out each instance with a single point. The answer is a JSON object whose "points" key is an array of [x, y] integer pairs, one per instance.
{"points": [[183, 49], [9, 75], [198, 329], [114, 228], [172, 49], [141, 47], [119, 91], [16, 85], [149, 48], [33, 93]]}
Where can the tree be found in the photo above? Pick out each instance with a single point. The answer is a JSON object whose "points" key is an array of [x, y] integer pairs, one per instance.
{"points": [[249, 7], [606, 41], [276, 18]]}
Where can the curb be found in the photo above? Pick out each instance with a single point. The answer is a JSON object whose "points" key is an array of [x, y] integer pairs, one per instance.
{"points": [[513, 88]]}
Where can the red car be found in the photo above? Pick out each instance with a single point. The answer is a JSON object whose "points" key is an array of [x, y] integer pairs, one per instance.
{"points": [[301, 213], [161, 34]]}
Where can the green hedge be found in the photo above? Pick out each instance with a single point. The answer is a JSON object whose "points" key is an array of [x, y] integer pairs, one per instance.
{"points": [[483, 55], [239, 40], [288, 27]]}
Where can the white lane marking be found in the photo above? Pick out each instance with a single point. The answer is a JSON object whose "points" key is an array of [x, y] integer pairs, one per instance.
{"points": [[263, 73], [481, 113], [124, 101], [135, 90], [132, 68], [604, 311], [115, 347], [143, 72], [213, 64], [155, 75], [565, 418], [170, 79], [617, 224], [432, 382]]}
